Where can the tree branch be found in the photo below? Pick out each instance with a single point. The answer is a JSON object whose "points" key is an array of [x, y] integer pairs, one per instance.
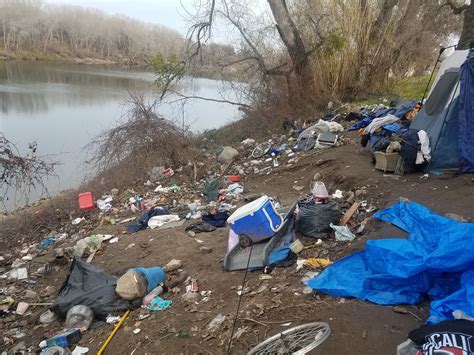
{"points": [[183, 97]]}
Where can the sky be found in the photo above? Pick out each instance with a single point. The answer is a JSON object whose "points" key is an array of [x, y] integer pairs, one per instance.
{"points": [[165, 12]]}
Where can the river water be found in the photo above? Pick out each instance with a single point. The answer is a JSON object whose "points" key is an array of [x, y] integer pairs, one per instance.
{"points": [[62, 106]]}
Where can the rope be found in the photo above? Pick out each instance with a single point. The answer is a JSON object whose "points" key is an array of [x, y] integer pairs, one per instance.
{"points": [[240, 300]]}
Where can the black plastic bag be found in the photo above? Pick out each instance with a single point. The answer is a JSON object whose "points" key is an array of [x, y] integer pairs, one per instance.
{"points": [[313, 219], [92, 287]]}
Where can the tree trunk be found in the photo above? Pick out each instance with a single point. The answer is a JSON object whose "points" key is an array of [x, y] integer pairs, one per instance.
{"points": [[294, 44], [467, 35]]}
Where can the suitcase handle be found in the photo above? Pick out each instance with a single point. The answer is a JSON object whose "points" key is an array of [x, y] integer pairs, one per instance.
{"points": [[270, 220]]}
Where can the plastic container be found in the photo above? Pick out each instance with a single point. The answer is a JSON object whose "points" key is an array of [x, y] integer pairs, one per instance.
{"points": [[79, 316], [386, 161], [85, 200], [296, 247], [319, 191], [158, 290], [63, 340], [154, 276], [258, 219], [233, 178]]}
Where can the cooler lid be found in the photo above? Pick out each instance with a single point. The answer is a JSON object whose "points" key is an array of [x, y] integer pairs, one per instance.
{"points": [[247, 209]]}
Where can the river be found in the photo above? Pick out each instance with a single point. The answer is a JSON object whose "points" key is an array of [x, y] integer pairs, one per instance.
{"points": [[62, 106]]}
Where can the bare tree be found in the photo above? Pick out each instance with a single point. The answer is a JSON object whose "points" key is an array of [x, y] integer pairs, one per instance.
{"points": [[22, 173], [294, 44], [466, 40]]}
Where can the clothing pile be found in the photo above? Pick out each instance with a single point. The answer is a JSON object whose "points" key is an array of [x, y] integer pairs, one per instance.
{"points": [[386, 129]]}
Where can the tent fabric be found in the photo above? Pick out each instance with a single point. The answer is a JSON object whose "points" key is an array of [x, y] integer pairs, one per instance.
{"points": [[435, 261], [438, 100], [466, 116], [440, 116]]}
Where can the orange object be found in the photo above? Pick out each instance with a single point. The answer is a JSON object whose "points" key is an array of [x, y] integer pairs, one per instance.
{"points": [[233, 178], [85, 200], [317, 262], [347, 216]]}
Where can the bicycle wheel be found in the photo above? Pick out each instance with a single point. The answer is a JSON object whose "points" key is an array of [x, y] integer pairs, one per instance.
{"points": [[298, 340], [261, 149]]}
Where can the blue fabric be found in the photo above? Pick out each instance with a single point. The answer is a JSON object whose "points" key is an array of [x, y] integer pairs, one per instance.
{"points": [[361, 124], [217, 220], [466, 116], [392, 127], [404, 107], [401, 109], [436, 261], [143, 219]]}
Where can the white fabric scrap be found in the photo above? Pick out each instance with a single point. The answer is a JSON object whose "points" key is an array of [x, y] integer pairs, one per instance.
{"points": [[425, 154], [105, 205], [343, 233], [159, 221]]}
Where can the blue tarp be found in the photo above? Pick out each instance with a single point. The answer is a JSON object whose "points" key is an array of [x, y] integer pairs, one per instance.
{"points": [[437, 260], [466, 115]]}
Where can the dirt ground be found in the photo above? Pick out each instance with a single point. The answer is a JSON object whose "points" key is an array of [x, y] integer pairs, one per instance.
{"points": [[276, 304]]}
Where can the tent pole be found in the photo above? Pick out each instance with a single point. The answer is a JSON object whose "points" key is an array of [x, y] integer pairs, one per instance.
{"points": [[441, 50]]}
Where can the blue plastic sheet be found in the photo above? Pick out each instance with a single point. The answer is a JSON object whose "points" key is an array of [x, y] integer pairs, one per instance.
{"points": [[437, 260]]}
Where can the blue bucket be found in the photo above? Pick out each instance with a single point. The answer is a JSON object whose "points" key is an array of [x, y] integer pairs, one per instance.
{"points": [[153, 275]]}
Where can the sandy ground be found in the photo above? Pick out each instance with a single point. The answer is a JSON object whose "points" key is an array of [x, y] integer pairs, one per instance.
{"points": [[356, 327]]}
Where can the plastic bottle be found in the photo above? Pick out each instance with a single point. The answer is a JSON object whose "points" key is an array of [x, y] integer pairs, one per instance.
{"points": [[79, 316], [158, 290], [62, 340]]}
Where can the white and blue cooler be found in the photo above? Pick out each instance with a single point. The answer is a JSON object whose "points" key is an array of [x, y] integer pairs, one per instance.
{"points": [[258, 220]]}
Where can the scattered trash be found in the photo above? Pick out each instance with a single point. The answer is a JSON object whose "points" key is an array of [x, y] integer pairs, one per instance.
{"points": [[77, 220], [79, 317], [313, 219], [136, 331], [63, 340], [16, 274], [47, 317], [216, 323], [21, 308], [46, 243], [172, 265], [88, 245], [317, 262], [113, 240], [105, 204], [137, 282], [158, 304], [159, 221], [89, 286], [85, 201], [226, 155], [80, 350], [343, 233], [349, 213], [112, 319], [296, 247]]}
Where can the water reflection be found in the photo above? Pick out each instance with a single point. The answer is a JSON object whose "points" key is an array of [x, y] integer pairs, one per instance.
{"points": [[62, 106], [31, 88]]}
